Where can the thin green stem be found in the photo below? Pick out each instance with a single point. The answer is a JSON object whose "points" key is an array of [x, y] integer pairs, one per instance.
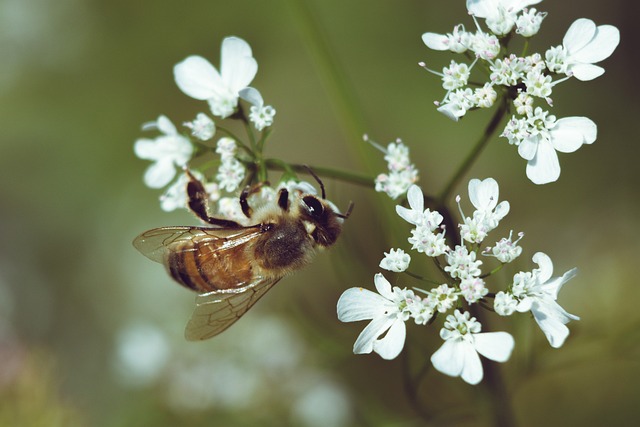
{"points": [[353, 178], [475, 152], [422, 279]]}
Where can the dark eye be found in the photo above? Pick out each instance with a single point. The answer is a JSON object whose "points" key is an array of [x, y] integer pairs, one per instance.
{"points": [[315, 207]]}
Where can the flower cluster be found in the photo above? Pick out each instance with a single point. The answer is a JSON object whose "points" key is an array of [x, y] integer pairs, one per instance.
{"points": [[525, 81], [402, 173], [390, 308], [222, 90]]}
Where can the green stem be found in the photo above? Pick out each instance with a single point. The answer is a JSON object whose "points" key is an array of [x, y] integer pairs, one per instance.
{"points": [[475, 152], [353, 178]]}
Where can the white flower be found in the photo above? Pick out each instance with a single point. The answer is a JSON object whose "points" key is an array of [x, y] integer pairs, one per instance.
{"points": [[227, 148], [168, 151], [473, 289], [443, 298], [197, 78], [485, 96], [537, 292], [457, 103], [395, 260], [504, 304], [583, 45], [387, 310], [426, 241], [457, 41], [528, 24], [488, 213], [260, 115], [545, 136], [462, 263], [455, 75], [202, 127], [507, 250], [417, 215], [402, 174], [230, 174], [485, 46], [500, 15], [458, 356], [229, 208]]}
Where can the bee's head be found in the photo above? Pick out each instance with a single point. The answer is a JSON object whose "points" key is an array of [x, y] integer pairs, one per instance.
{"points": [[322, 219]]}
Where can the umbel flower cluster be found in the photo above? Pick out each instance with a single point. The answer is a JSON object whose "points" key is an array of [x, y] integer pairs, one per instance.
{"points": [[526, 80], [222, 91], [532, 291]]}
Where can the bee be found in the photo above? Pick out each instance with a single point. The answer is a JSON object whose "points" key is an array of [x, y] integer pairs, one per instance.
{"points": [[230, 265]]}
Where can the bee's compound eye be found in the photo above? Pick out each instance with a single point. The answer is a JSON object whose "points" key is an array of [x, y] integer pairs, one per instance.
{"points": [[313, 204]]}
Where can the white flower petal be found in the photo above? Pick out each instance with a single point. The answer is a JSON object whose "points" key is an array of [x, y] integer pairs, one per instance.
{"points": [[496, 346], [472, 366], [237, 65], [390, 346], [579, 35], [435, 41], [484, 194], [383, 286], [502, 210], [378, 326], [165, 126], [570, 133], [553, 286], [585, 72], [146, 149], [415, 198], [197, 78], [252, 96], [601, 46], [545, 266], [551, 322], [357, 304], [528, 148], [449, 358], [159, 174], [545, 167]]}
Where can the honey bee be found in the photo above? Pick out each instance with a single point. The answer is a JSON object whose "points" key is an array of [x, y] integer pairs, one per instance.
{"points": [[231, 265]]}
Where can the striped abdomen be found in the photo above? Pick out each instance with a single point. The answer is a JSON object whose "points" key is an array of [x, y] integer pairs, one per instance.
{"points": [[209, 264]]}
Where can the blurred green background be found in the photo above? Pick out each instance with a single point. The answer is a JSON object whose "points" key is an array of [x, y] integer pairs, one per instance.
{"points": [[91, 331]]}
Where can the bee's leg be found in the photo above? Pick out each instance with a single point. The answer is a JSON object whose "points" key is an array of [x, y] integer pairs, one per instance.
{"points": [[246, 209], [283, 199], [199, 203]]}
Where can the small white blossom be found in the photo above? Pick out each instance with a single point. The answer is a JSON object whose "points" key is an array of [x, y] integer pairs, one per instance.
{"points": [[443, 298], [202, 127], [537, 292], [528, 23], [485, 96], [426, 241], [417, 215], [229, 208], [227, 148], [456, 41], [197, 78], [505, 304], [538, 84], [395, 260], [402, 174], [387, 310], [506, 71], [260, 115], [458, 356], [230, 174], [507, 250], [455, 76], [544, 136], [457, 103], [583, 45], [485, 46], [473, 289], [168, 151], [462, 263], [523, 104], [484, 197]]}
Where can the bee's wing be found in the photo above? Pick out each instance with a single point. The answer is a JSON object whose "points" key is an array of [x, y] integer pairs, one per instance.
{"points": [[216, 311], [155, 244]]}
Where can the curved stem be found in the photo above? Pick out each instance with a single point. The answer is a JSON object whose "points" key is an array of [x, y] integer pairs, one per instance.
{"points": [[473, 155]]}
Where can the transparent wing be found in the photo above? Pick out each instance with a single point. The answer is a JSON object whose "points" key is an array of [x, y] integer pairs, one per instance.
{"points": [[216, 311], [155, 244]]}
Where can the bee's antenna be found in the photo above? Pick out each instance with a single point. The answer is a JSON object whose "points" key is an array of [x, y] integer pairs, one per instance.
{"points": [[347, 213], [317, 178]]}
